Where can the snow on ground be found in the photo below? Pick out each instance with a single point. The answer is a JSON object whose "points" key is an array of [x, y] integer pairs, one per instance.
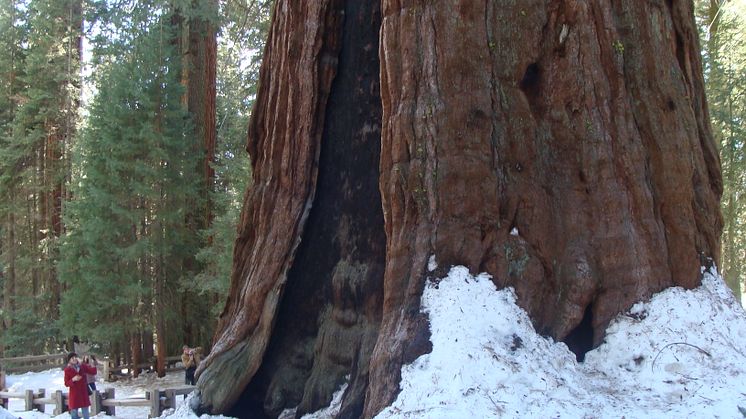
{"points": [[326, 413], [680, 355], [53, 380], [4, 414]]}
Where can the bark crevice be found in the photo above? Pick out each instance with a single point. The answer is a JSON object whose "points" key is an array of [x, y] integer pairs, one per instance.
{"points": [[551, 159], [327, 319]]}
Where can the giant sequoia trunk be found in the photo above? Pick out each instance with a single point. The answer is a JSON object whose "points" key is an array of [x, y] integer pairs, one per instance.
{"points": [[579, 125]]}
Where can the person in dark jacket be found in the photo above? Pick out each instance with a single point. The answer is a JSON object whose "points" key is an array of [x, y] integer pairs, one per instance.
{"points": [[75, 380]]}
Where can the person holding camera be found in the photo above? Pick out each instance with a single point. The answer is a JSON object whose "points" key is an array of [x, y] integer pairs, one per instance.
{"points": [[90, 378], [75, 379], [190, 358]]}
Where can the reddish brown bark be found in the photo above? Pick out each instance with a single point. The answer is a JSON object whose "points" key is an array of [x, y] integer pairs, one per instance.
{"points": [[591, 139], [201, 94], [196, 38], [161, 352], [300, 63], [582, 126], [136, 352]]}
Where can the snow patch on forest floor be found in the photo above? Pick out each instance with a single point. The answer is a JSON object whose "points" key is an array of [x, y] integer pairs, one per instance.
{"points": [[680, 355], [53, 380]]}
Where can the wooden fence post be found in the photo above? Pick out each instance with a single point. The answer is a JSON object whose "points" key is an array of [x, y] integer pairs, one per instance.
{"points": [[42, 393], [95, 403], [170, 399], [155, 402], [28, 398], [110, 410], [107, 370], [59, 403]]}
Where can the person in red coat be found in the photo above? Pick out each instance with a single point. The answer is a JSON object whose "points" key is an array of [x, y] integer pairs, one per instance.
{"points": [[75, 379]]}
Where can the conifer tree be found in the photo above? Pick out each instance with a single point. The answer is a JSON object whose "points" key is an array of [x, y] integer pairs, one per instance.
{"points": [[724, 57], [10, 66], [37, 137], [135, 183], [244, 29], [195, 24]]}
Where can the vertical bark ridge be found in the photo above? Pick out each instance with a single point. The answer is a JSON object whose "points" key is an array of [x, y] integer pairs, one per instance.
{"points": [[590, 139], [328, 318], [284, 136]]}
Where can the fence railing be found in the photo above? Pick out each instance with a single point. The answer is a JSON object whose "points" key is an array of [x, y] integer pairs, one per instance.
{"points": [[108, 368], [31, 363], [157, 400]]}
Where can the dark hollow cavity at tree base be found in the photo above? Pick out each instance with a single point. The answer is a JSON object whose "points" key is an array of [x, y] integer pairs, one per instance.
{"points": [[329, 315], [580, 339]]}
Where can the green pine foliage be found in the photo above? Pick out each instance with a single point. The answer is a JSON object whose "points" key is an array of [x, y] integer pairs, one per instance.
{"points": [[721, 26], [126, 260], [13, 30], [128, 236], [244, 30], [39, 115]]}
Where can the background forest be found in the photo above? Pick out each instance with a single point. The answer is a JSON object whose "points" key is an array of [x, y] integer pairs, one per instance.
{"points": [[118, 211], [116, 219]]}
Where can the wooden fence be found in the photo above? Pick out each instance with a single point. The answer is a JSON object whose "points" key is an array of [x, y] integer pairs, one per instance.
{"points": [[107, 367], [109, 370], [157, 400], [32, 363]]}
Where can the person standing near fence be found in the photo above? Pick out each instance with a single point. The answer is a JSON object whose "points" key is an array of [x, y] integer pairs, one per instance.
{"points": [[75, 380], [190, 358], [90, 378]]}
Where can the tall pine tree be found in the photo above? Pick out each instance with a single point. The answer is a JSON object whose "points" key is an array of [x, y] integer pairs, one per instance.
{"points": [[724, 55], [43, 92], [244, 30], [136, 181]]}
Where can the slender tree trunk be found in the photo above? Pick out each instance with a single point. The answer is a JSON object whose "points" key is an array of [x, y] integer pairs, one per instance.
{"points": [[160, 306], [730, 151], [563, 148], [33, 243], [126, 353], [9, 276], [60, 143], [201, 91], [197, 39], [161, 349], [53, 220], [135, 350], [147, 345]]}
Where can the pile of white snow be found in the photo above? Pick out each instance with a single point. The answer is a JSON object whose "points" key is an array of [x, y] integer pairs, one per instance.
{"points": [[679, 355]]}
